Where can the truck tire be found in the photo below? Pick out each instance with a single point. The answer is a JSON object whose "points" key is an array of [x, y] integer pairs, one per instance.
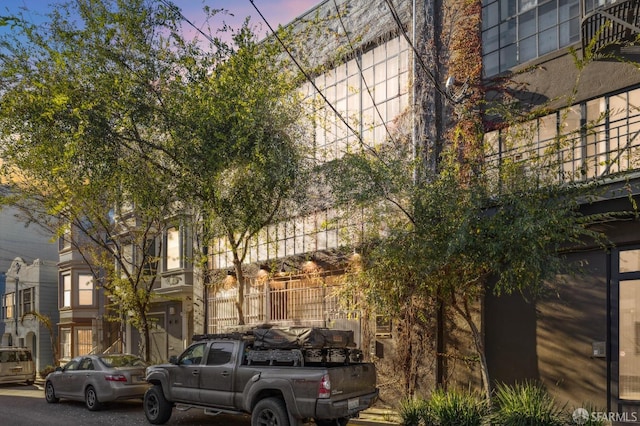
{"points": [[270, 412], [156, 407]]}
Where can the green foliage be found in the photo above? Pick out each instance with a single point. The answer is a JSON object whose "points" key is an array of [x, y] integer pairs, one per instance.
{"points": [[46, 370], [413, 411], [525, 404], [457, 408]]}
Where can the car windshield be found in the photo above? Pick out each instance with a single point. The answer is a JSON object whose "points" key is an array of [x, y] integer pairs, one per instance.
{"points": [[122, 361]]}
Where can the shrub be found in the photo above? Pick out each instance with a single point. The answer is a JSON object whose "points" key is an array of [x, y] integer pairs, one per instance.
{"points": [[413, 411], [46, 370], [527, 404], [456, 408]]}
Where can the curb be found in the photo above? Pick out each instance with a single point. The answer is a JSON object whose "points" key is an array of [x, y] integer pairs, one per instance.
{"points": [[376, 417]]}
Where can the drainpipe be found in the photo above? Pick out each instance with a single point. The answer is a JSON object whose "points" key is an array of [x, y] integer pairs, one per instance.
{"points": [[15, 301]]}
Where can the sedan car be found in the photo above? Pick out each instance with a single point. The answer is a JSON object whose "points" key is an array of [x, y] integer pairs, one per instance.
{"points": [[96, 379]]}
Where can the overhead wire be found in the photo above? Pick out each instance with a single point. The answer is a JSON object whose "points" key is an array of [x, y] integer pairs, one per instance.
{"points": [[306, 74], [359, 65], [398, 21]]}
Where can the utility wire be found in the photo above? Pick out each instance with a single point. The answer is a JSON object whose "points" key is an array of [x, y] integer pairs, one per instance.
{"points": [[396, 18], [307, 76], [375, 105]]}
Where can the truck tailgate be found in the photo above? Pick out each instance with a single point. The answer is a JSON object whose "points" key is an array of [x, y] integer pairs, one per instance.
{"points": [[352, 380]]}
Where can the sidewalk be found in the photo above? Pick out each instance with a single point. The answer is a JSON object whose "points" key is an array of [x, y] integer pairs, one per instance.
{"points": [[376, 417]]}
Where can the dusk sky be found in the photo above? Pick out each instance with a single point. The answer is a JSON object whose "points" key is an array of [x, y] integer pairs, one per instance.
{"points": [[277, 12]]}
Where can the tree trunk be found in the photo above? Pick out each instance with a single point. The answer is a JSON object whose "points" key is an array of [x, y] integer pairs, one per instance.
{"points": [[478, 341], [240, 300]]}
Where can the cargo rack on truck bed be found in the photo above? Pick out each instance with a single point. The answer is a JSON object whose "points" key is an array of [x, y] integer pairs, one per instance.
{"points": [[295, 346]]}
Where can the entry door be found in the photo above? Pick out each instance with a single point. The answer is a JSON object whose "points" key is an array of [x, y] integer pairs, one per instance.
{"points": [[158, 339]]}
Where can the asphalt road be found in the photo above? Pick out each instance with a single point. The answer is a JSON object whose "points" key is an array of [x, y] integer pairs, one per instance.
{"points": [[22, 405]]}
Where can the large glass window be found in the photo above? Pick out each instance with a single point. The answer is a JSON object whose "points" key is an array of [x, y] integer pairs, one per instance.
{"points": [[597, 138], [85, 289], [369, 92], [629, 325], [514, 32]]}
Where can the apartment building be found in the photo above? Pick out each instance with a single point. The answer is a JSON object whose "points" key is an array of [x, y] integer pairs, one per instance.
{"points": [[29, 309], [584, 343], [89, 323]]}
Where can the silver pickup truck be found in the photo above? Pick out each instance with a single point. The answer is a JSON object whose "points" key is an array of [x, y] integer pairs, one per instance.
{"points": [[280, 384]]}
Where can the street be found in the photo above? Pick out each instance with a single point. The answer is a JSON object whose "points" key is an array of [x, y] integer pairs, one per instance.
{"points": [[25, 405]]}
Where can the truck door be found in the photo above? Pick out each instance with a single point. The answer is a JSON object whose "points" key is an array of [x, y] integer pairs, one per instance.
{"points": [[216, 378], [187, 374]]}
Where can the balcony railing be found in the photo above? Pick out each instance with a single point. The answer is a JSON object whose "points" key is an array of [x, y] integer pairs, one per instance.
{"points": [[595, 151], [611, 28], [291, 304]]}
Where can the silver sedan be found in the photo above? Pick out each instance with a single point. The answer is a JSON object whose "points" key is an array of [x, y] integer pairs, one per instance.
{"points": [[96, 379]]}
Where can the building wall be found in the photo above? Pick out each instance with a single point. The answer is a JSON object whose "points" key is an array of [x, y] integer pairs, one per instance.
{"points": [[40, 278]]}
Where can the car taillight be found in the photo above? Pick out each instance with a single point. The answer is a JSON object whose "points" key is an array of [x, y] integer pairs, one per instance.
{"points": [[115, 378], [324, 390]]}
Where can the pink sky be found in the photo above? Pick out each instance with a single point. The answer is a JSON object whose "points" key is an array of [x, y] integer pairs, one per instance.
{"points": [[277, 12]]}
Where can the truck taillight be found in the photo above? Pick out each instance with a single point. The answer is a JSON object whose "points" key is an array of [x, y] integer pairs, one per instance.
{"points": [[324, 390]]}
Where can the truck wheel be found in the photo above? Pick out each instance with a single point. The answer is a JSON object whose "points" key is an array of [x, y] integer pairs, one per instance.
{"points": [[270, 412], [156, 407]]}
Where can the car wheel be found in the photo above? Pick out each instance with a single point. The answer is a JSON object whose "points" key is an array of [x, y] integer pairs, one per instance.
{"points": [[50, 393], [156, 407], [270, 412], [91, 399]]}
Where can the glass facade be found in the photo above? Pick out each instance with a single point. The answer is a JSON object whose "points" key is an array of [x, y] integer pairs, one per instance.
{"points": [[517, 31], [597, 138], [368, 92]]}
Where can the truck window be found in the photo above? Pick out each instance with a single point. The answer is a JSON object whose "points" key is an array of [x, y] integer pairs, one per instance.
{"points": [[193, 355], [220, 353]]}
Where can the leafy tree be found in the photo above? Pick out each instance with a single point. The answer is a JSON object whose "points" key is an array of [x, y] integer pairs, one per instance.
{"points": [[114, 122], [79, 121], [242, 160], [466, 226]]}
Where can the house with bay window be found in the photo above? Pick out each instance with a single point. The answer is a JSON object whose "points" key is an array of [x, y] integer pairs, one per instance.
{"points": [[89, 324]]}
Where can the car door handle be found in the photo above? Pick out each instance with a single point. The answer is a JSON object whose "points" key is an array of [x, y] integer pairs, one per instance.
{"points": [[195, 372]]}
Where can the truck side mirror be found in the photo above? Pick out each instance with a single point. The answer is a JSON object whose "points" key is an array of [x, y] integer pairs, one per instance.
{"points": [[173, 359]]}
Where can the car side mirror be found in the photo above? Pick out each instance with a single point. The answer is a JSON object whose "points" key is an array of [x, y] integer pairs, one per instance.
{"points": [[58, 369], [173, 359]]}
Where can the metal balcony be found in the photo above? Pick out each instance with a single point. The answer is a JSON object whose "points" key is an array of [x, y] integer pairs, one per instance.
{"points": [[612, 30]]}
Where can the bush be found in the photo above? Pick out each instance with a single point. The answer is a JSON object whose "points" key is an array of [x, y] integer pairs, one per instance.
{"points": [[413, 411], [46, 370], [527, 404], [456, 408]]}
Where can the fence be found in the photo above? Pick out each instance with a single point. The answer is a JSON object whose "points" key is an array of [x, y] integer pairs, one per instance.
{"points": [[284, 302]]}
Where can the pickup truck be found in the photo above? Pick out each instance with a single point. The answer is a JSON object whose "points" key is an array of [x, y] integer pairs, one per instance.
{"points": [[283, 385]]}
